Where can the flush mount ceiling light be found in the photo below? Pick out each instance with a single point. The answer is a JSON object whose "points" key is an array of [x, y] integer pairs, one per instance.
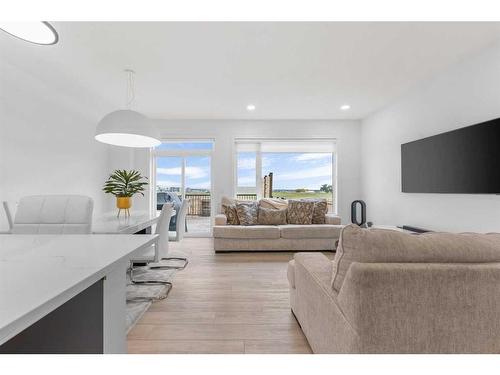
{"points": [[251, 107], [126, 127], [345, 107], [33, 32]]}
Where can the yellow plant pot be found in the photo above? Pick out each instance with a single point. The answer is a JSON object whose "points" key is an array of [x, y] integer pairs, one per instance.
{"points": [[123, 203]]}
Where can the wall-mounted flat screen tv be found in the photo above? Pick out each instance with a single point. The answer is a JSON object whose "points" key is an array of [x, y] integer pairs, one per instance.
{"points": [[462, 161]]}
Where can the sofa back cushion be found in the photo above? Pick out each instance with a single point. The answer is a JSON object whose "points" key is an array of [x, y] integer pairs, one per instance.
{"points": [[269, 216], [299, 212], [248, 212], [390, 246]]}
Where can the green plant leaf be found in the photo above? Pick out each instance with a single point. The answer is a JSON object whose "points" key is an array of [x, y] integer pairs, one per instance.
{"points": [[123, 183]]}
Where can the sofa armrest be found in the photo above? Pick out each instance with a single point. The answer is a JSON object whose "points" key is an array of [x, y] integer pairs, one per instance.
{"points": [[332, 219], [315, 305], [220, 219]]}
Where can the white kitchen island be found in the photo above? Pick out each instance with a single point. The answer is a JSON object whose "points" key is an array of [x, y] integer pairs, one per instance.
{"points": [[65, 293]]}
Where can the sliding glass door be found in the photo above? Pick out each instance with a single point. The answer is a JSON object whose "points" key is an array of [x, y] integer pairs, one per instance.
{"points": [[197, 188], [183, 172]]}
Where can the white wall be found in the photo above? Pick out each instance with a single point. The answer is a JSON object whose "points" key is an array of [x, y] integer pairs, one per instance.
{"points": [[463, 95], [47, 142], [47, 146], [224, 132]]}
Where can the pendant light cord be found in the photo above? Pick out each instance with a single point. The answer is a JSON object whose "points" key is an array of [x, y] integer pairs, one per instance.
{"points": [[130, 87]]}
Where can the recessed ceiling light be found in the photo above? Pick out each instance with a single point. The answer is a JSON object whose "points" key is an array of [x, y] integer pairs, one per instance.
{"points": [[33, 32], [345, 107], [251, 107]]}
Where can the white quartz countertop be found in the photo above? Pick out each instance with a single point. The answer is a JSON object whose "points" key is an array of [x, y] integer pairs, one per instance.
{"points": [[38, 273], [138, 220]]}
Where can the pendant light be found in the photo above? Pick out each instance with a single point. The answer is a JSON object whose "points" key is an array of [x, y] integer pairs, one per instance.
{"points": [[34, 32], [126, 127]]}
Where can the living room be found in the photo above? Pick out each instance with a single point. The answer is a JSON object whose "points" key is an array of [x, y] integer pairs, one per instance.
{"points": [[206, 187]]}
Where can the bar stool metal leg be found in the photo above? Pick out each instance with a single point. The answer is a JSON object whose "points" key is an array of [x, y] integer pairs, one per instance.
{"points": [[158, 267], [147, 282]]}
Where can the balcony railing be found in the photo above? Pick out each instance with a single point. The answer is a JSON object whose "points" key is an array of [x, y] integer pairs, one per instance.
{"points": [[199, 204], [247, 197]]}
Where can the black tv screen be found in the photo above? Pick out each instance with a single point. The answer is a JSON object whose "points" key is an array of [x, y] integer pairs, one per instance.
{"points": [[462, 161]]}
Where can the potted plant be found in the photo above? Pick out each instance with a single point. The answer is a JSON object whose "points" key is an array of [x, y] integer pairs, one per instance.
{"points": [[123, 185]]}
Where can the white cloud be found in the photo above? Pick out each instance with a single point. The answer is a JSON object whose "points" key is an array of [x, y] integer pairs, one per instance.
{"points": [[200, 185], [246, 181], [191, 172], [323, 171], [311, 156], [246, 163], [249, 163]]}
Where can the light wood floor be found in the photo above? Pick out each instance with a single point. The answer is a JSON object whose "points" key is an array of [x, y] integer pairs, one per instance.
{"points": [[222, 303]]}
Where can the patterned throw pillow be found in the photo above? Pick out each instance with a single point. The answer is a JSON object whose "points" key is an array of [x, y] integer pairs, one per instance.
{"points": [[247, 213], [269, 216], [231, 214], [319, 211], [273, 203], [300, 212]]}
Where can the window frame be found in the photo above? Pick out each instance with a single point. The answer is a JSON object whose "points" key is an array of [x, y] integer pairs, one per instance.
{"points": [[258, 162]]}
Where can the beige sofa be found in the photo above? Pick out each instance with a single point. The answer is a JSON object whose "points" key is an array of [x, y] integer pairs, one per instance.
{"points": [[391, 292], [312, 237]]}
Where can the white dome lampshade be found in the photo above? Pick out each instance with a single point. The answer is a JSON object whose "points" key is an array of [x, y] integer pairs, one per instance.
{"points": [[34, 32], [127, 128]]}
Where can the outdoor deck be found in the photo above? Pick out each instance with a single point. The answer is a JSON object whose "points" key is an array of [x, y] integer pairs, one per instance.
{"points": [[198, 224]]}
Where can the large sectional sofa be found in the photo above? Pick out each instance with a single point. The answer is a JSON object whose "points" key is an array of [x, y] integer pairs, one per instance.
{"points": [[287, 237], [392, 292]]}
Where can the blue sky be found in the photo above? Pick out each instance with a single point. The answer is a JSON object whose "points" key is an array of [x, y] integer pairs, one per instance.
{"points": [[169, 169], [290, 170]]}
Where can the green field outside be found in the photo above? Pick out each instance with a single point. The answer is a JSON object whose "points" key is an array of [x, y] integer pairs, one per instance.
{"points": [[296, 195]]}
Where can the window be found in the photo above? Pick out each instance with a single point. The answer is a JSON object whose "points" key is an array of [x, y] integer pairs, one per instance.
{"points": [[286, 169]]}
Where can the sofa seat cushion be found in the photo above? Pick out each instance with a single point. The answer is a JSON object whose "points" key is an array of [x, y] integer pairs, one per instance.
{"points": [[247, 232], [310, 231], [389, 246]]}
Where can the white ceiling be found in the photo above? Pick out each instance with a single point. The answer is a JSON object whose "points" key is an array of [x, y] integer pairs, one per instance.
{"points": [[213, 70]]}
